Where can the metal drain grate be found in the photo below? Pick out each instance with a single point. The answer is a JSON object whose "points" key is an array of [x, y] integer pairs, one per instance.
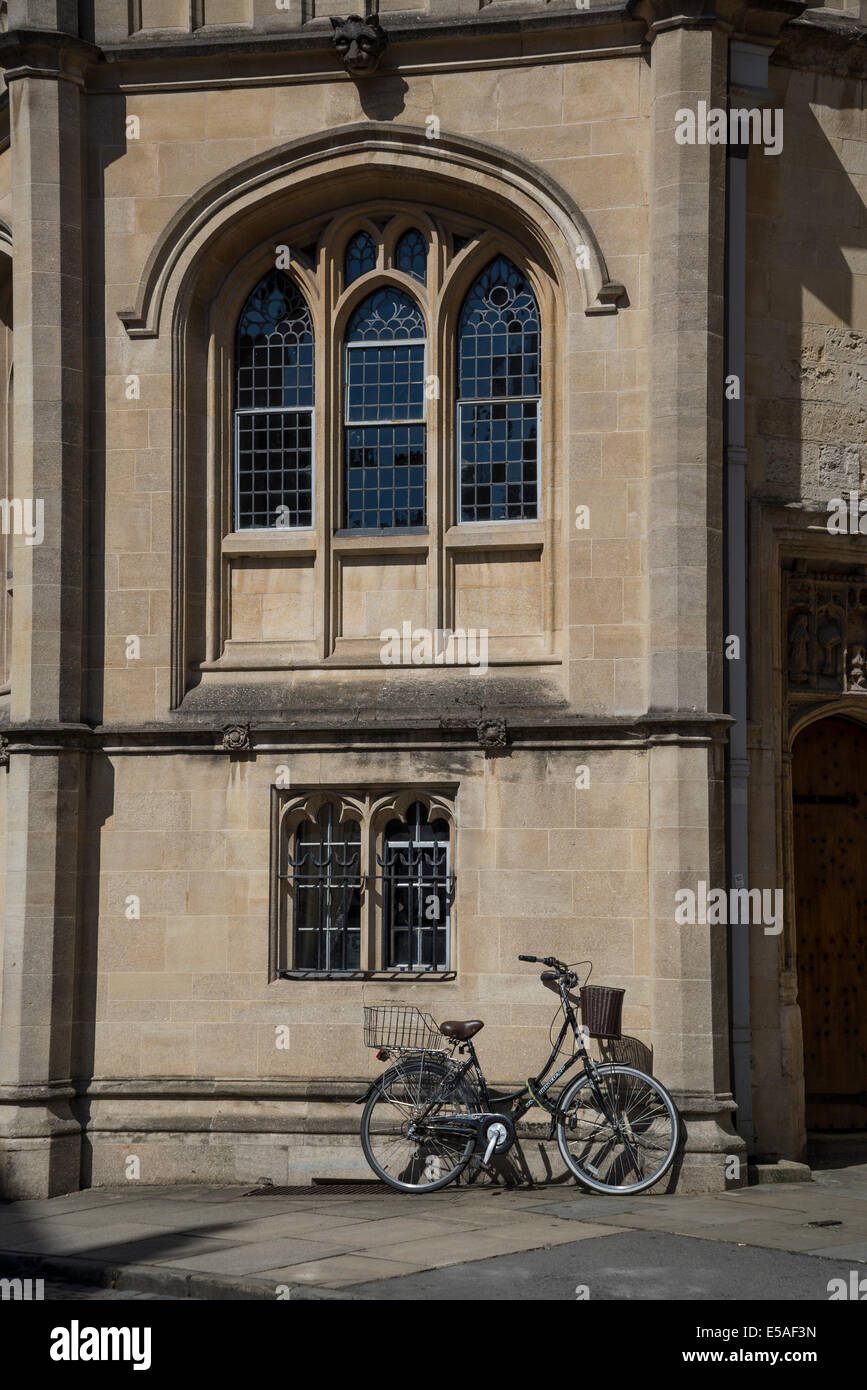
{"points": [[322, 1185]]}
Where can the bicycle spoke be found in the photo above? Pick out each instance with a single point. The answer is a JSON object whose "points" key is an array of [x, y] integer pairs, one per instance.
{"points": [[629, 1150], [398, 1144]]}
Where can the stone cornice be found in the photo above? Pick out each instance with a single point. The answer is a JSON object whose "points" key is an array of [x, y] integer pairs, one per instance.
{"points": [[45, 53], [760, 19], [316, 36], [277, 734], [830, 42]]}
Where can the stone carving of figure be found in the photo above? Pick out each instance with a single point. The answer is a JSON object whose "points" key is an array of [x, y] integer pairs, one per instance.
{"points": [[829, 640], [799, 648], [360, 43], [858, 669]]}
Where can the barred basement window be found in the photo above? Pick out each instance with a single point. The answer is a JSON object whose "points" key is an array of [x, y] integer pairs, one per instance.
{"points": [[416, 892], [326, 887], [363, 884]]}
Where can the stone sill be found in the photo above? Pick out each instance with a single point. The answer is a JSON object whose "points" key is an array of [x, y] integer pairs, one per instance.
{"points": [[385, 976]]}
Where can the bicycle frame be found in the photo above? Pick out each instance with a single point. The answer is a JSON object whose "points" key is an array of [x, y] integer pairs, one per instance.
{"points": [[535, 1094]]}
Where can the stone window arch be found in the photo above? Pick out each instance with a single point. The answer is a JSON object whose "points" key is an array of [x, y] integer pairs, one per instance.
{"points": [[346, 526]]}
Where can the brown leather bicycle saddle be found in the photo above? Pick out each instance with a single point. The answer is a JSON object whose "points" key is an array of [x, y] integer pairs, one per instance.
{"points": [[461, 1031]]}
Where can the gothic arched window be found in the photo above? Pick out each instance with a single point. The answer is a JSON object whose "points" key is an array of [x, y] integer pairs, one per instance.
{"points": [[274, 392], [385, 473], [325, 874], [360, 257], [498, 390], [410, 255], [416, 892]]}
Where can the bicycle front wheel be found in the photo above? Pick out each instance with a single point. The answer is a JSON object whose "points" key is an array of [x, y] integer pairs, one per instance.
{"points": [[630, 1148], [400, 1149]]}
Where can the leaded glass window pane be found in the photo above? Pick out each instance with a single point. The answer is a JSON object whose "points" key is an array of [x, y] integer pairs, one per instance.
{"points": [[325, 874], [498, 391], [410, 255], [385, 467], [274, 390], [360, 257], [417, 892], [385, 315]]}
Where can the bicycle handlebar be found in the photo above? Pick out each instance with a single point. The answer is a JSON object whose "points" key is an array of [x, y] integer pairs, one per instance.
{"points": [[558, 970]]}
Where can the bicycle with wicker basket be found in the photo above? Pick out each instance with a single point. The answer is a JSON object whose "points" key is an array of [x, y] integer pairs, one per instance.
{"points": [[429, 1113]]}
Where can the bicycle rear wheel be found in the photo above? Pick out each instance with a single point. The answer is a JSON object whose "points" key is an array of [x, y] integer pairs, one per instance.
{"points": [[635, 1147], [407, 1157]]}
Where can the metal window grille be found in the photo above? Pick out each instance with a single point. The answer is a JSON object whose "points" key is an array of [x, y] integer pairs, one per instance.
{"points": [[410, 255], [385, 434], [274, 392], [325, 879], [499, 397], [360, 257], [417, 893]]}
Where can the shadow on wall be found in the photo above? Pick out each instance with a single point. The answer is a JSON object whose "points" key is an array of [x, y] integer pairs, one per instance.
{"points": [[383, 99], [806, 224], [99, 803]]}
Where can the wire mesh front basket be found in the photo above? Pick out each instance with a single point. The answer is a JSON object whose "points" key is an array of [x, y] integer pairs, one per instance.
{"points": [[601, 1007], [400, 1025]]}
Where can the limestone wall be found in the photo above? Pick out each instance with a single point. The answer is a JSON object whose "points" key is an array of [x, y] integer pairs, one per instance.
{"points": [[807, 294], [586, 126], [184, 990]]}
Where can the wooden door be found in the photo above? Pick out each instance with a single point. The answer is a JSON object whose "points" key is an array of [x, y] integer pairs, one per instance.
{"points": [[830, 815]]}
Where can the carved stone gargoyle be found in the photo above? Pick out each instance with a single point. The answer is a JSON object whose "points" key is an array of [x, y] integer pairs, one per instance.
{"points": [[360, 43]]}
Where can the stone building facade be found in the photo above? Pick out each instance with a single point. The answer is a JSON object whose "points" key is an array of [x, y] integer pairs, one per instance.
{"points": [[298, 362]]}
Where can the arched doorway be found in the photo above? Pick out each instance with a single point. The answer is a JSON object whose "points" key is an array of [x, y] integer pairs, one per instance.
{"points": [[830, 843]]}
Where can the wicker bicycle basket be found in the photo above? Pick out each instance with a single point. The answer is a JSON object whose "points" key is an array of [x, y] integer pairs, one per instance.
{"points": [[400, 1026], [601, 1007]]}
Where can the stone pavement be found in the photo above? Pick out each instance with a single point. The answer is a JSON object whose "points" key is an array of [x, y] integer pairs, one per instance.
{"points": [[206, 1242]]}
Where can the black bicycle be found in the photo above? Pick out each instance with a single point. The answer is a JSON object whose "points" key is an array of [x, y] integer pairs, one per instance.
{"points": [[427, 1116]]}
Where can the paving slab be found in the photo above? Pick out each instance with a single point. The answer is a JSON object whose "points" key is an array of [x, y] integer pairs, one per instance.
{"points": [[60, 1239], [374, 1234], [341, 1271], [857, 1251], [316, 1225], [187, 1239], [256, 1256]]}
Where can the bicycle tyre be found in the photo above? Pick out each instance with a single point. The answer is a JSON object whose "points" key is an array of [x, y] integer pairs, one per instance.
{"points": [[597, 1131], [423, 1075]]}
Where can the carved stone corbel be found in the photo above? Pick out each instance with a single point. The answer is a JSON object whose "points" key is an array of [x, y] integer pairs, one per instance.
{"points": [[492, 733], [236, 738]]}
